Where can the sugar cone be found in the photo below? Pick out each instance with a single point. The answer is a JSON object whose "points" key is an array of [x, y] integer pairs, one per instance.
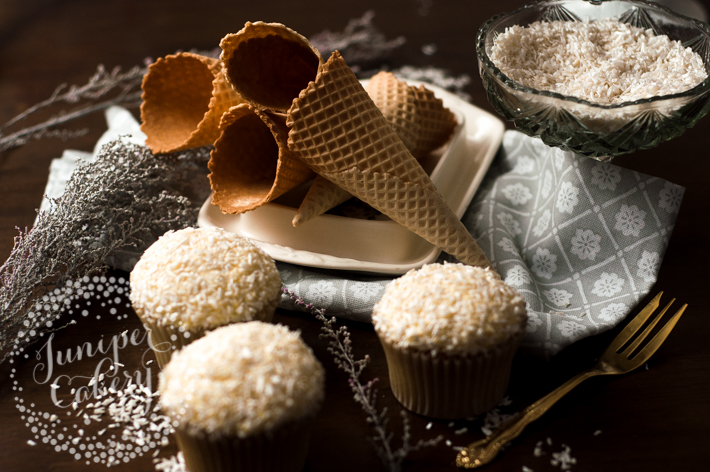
{"points": [[251, 163], [184, 97], [420, 120], [337, 130], [269, 64]]}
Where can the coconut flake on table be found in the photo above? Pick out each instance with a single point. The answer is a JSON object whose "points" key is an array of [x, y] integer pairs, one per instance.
{"points": [[601, 61]]}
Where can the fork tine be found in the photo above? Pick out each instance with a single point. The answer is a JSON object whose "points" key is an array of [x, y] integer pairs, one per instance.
{"points": [[658, 339], [632, 347], [634, 325]]}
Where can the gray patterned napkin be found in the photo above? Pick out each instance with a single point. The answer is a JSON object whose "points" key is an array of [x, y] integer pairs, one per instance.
{"points": [[581, 240]]}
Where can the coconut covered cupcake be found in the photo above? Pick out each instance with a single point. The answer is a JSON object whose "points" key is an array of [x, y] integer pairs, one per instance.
{"points": [[450, 332], [196, 279], [242, 398]]}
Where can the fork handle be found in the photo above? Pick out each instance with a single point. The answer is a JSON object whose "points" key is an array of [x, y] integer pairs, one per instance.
{"points": [[482, 452]]}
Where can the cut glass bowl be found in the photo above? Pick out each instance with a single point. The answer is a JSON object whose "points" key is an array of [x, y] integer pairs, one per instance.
{"points": [[591, 129]]}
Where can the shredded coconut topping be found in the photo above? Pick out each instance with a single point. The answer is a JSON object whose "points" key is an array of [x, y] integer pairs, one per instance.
{"points": [[602, 61], [204, 278], [242, 379], [450, 308]]}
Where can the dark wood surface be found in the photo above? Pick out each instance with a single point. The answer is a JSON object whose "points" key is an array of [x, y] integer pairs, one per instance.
{"points": [[656, 419]]}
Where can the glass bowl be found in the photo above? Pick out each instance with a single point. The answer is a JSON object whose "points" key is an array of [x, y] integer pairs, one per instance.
{"points": [[592, 129]]}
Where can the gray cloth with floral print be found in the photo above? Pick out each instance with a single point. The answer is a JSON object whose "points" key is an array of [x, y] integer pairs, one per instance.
{"points": [[581, 240]]}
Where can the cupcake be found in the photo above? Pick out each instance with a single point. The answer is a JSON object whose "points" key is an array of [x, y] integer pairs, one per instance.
{"points": [[242, 398], [196, 279], [450, 332]]}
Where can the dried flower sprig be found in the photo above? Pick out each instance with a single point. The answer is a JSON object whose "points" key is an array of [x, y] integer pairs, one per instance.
{"points": [[360, 43], [340, 346], [126, 199], [115, 87]]}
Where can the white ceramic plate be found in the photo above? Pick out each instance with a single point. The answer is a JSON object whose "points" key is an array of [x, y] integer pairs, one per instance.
{"points": [[380, 245]]}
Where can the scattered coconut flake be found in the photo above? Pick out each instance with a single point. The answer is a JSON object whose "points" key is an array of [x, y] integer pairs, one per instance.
{"points": [[172, 464], [494, 418], [527, 469], [597, 432], [429, 425], [461, 431], [31, 442], [563, 459]]}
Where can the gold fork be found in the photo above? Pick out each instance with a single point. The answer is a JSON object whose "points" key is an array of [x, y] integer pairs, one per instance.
{"points": [[612, 362]]}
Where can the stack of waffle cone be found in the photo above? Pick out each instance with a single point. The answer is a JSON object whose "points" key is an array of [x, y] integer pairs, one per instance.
{"points": [[184, 97], [420, 120], [269, 64], [251, 163], [337, 130]]}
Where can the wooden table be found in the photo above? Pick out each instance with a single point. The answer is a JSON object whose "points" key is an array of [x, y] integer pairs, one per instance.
{"points": [[656, 419]]}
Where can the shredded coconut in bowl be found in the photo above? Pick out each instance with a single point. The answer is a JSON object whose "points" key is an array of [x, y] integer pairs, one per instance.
{"points": [[204, 278], [449, 308], [601, 61], [242, 379]]}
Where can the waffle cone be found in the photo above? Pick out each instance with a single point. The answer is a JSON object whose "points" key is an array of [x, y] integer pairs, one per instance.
{"points": [[437, 122], [321, 197], [397, 102], [269, 64], [337, 130], [251, 163], [184, 97], [420, 120]]}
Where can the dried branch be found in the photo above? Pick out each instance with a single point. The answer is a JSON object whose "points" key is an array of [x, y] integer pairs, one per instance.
{"points": [[126, 199], [100, 85], [360, 42], [340, 346]]}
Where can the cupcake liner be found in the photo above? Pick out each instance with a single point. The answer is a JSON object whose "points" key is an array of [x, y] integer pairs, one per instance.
{"points": [[283, 450], [166, 339], [449, 386]]}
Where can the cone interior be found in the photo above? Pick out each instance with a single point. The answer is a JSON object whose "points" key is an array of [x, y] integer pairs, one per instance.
{"points": [[244, 162], [176, 95], [270, 71]]}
